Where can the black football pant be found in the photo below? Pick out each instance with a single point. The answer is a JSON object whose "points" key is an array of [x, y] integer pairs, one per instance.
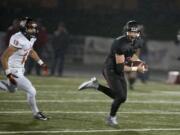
{"points": [[117, 89]]}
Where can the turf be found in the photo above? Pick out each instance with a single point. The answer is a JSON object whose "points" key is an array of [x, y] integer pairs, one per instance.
{"points": [[151, 109]]}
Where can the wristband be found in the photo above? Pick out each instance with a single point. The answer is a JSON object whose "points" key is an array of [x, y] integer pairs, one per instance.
{"points": [[134, 68], [7, 71], [40, 62]]}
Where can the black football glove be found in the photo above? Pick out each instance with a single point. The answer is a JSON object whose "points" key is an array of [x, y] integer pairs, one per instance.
{"points": [[11, 78]]}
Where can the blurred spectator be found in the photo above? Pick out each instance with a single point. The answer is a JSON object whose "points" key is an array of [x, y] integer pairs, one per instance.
{"points": [[60, 42], [10, 31], [143, 54], [177, 41], [42, 39]]}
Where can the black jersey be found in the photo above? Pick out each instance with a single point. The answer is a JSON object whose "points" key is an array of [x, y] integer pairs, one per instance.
{"points": [[122, 46]]}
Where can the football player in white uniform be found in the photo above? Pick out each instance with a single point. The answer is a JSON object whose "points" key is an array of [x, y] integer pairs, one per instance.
{"points": [[13, 60]]}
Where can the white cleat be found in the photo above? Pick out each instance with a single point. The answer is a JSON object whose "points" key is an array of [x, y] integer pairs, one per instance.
{"points": [[112, 121], [93, 83]]}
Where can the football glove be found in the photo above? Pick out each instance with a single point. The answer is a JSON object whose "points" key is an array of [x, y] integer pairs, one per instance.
{"points": [[44, 68], [11, 77]]}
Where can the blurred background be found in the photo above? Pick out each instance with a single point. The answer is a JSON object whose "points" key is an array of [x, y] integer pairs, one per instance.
{"points": [[75, 35]]}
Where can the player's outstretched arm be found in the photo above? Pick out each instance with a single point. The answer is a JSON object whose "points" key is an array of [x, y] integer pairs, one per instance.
{"points": [[33, 54], [120, 66]]}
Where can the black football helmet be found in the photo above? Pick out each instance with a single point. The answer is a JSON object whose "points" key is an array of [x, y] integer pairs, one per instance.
{"points": [[29, 27], [131, 30], [131, 26]]}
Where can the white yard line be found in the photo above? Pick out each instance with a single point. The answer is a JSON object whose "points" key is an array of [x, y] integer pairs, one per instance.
{"points": [[90, 131], [162, 93], [94, 112], [69, 91], [95, 101], [52, 86], [63, 85]]}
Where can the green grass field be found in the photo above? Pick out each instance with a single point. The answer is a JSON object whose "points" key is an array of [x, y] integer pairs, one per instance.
{"points": [[151, 109]]}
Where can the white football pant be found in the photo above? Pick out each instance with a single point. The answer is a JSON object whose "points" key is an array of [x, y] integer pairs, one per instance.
{"points": [[23, 83]]}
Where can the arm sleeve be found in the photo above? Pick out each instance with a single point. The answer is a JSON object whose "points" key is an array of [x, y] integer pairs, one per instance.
{"points": [[15, 42], [118, 48], [119, 68]]}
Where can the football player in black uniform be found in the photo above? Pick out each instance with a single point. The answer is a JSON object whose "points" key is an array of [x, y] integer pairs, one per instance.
{"points": [[121, 53]]}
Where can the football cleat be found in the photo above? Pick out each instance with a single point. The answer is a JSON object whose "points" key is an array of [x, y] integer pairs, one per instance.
{"points": [[40, 116], [112, 121], [93, 83]]}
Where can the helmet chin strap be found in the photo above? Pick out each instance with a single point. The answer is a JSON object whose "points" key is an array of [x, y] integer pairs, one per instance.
{"points": [[27, 35]]}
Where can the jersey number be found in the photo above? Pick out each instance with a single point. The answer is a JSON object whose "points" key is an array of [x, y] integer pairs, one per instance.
{"points": [[24, 58]]}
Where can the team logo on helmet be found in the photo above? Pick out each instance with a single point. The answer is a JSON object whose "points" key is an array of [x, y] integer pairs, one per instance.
{"points": [[131, 26], [29, 27]]}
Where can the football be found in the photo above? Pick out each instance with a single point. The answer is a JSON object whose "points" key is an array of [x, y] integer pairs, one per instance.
{"points": [[137, 63]]}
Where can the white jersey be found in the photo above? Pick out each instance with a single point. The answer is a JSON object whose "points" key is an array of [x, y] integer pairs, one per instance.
{"points": [[18, 40]]}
